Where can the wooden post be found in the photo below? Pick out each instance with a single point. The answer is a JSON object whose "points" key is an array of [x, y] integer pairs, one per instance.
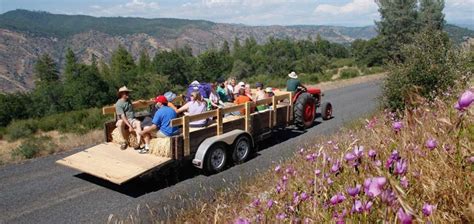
{"points": [[220, 126], [275, 107], [247, 117], [187, 150]]}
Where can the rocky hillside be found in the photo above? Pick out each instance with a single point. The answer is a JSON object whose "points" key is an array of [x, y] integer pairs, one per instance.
{"points": [[24, 35]]}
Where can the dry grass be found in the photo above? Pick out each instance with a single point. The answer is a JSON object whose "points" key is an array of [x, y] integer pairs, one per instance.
{"points": [[59, 142], [442, 177]]}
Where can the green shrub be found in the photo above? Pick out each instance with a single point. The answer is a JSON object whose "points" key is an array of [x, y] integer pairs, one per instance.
{"points": [[349, 73], [341, 62], [312, 78], [21, 129], [372, 70], [431, 65], [267, 80], [32, 147], [80, 121]]}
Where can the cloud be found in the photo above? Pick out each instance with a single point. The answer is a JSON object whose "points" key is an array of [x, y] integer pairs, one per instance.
{"points": [[130, 8], [352, 7]]}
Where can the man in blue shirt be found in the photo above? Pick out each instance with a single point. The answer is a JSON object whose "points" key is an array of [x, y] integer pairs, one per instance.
{"points": [[161, 122]]}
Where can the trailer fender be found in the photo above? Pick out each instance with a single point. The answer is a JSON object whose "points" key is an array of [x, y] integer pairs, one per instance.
{"points": [[227, 138]]}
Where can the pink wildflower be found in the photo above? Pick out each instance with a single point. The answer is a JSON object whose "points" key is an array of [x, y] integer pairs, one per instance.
{"points": [[242, 221], [401, 167], [431, 143], [428, 209], [270, 203], [404, 217], [374, 186], [404, 182], [337, 198], [354, 191], [397, 126], [465, 100]]}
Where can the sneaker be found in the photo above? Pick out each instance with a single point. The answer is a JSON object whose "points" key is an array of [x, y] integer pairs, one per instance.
{"points": [[144, 151], [139, 147], [123, 146]]}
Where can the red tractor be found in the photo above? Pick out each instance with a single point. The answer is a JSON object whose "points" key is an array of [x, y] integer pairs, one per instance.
{"points": [[306, 101]]}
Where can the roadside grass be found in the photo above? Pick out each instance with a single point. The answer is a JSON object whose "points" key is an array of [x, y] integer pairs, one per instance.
{"points": [[422, 162]]}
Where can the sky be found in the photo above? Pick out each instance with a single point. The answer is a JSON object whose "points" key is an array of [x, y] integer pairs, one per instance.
{"points": [[249, 12]]}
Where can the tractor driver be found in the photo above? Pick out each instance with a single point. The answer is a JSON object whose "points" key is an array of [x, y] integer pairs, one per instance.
{"points": [[293, 84]]}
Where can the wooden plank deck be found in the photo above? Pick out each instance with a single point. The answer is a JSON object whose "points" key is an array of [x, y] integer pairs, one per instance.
{"points": [[108, 162]]}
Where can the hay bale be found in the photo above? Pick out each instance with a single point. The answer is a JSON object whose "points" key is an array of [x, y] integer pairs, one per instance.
{"points": [[161, 147], [119, 139]]}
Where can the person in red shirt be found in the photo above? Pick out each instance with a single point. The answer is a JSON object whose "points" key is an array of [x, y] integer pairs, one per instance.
{"points": [[241, 99]]}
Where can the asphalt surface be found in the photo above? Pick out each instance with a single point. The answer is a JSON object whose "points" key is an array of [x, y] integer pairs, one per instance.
{"points": [[39, 191]]}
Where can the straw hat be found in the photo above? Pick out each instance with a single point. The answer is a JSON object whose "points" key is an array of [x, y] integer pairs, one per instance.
{"points": [[123, 89], [293, 75]]}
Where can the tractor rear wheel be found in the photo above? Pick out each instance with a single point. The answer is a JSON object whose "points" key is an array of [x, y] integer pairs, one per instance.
{"points": [[305, 110]]}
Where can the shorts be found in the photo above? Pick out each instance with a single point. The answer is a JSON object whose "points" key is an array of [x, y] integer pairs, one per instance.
{"points": [[132, 122], [159, 134]]}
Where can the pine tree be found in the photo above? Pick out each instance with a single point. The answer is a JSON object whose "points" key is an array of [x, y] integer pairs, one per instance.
{"points": [[398, 24], [431, 14], [144, 63], [70, 66], [225, 48], [122, 67], [46, 70]]}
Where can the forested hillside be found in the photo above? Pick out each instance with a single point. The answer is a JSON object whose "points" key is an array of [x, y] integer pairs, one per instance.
{"points": [[25, 35]]}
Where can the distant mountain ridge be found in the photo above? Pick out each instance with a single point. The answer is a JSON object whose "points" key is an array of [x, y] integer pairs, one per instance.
{"points": [[24, 35]]}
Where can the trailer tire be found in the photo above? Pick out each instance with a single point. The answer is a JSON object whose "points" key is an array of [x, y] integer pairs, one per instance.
{"points": [[326, 111], [242, 149], [216, 158], [305, 110]]}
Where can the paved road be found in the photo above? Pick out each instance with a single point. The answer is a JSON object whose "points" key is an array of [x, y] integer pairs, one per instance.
{"points": [[39, 191]]}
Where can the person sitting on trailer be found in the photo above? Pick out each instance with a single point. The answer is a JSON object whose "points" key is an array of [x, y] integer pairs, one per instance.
{"points": [[161, 122], [268, 93], [230, 89], [214, 100], [221, 90], [293, 84], [260, 94], [241, 99], [126, 116], [196, 106], [170, 96]]}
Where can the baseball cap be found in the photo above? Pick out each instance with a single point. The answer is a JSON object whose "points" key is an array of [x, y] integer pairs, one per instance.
{"points": [[161, 99]]}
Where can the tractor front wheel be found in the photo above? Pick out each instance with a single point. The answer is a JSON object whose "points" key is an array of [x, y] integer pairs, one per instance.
{"points": [[326, 111], [305, 110]]}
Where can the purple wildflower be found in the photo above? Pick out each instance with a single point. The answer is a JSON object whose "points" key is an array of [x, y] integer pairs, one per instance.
{"points": [[281, 216], [340, 217], [330, 182], [304, 196], [270, 203], [350, 156], [358, 151], [277, 168], [256, 202], [242, 221], [317, 172], [378, 163], [354, 191], [388, 197], [397, 126], [428, 209], [337, 198], [431, 143], [404, 182], [404, 217], [373, 186], [336, 166], [401, 167], [357, 207], [465, 100], [278, 189], [372, 153], [368, 206]]}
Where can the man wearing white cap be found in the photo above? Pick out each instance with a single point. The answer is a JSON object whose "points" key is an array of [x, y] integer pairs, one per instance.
{"points": [[126, 116], [293, 83]]}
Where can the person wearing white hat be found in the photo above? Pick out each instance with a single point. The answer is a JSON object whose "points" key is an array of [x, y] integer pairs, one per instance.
{"points": [[126, 116], [293, 83]]}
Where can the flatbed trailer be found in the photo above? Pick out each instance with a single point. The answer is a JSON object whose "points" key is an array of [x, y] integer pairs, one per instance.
{"points": [[227, 139]]}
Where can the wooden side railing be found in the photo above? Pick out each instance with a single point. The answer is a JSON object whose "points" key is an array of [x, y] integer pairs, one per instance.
{"points": [[220, 112]]}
